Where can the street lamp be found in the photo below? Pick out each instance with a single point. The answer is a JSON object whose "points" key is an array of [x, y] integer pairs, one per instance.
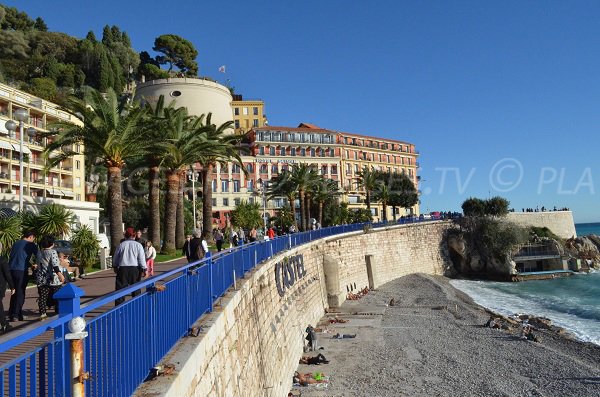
{"points": [[193, 175], [20, 115], [263, 188]]}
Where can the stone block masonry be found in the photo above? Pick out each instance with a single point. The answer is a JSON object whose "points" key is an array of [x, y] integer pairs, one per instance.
{"points": [[251, 342]]}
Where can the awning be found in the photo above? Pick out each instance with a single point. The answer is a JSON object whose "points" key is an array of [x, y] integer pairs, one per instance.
{"points": [[25, 148], [67, 193], [5, 145]]}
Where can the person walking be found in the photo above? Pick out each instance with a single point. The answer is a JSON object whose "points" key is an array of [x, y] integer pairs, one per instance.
{"points": [[219, 239], [198, 246], [186, 247], [252, 235], [233, 238], [271, 233], [150, 256], [129, 262], [5, 281], [19, 264], [48, 276], [140, 239], [241, 236]]}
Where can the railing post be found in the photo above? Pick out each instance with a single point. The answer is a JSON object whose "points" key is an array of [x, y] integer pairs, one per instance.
{"points": [[68, 298], [210, 276]]}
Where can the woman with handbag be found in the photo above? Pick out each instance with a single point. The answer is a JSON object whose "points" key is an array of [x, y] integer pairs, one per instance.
{"points": [[49, 278]]}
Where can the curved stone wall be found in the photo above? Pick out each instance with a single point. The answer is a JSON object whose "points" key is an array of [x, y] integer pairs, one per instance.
{"points": [[199, 96], [559, 222], [251, 342]]}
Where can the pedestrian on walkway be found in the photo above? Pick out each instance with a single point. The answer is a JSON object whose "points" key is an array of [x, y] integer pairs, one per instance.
{"points": [[271, 233], [186, 247], [48, 276], [219, 239], [140, 239], [150, 256], [129, 263], [19, 264], [5, 280]]}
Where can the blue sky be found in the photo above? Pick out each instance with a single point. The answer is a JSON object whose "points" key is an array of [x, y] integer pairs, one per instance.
{"points": [[500, 98]]}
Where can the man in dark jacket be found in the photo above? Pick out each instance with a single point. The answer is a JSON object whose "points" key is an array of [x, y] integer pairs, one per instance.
{"points": [[197, 247], [19, 263], [5, 280]]}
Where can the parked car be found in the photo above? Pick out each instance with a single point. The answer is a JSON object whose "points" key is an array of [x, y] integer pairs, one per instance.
{"points": [[63, 246]]}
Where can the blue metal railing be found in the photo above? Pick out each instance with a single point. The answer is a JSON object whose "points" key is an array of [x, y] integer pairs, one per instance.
{"points": [[126, 341]]}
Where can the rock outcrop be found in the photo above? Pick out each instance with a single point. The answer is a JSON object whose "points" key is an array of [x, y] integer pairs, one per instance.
{"points": [[586, 248]]}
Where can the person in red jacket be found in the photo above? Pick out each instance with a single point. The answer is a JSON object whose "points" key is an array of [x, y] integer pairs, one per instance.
{"points": [[271, 233]]}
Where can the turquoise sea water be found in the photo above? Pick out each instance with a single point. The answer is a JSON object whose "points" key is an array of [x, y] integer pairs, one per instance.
{"points": [[583, 229], [571, 302]]}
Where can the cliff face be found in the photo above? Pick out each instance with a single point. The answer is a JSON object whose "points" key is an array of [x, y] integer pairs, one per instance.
{"points": [[469, 261], [585, 248]]}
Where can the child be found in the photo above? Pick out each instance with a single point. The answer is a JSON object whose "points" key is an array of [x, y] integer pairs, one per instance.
{"points": [[150, 256]]}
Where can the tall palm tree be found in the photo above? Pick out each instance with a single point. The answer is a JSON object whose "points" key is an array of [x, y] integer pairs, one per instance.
{"points": [[154, 132], [283, 185], [226, 147], [303, 177], [383, 194], [367, 179], [186, 142], [324, 191], [111, 133]]}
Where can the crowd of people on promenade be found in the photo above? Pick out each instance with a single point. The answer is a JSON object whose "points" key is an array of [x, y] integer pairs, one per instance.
{"points": [[543, 209], [41, 262]]}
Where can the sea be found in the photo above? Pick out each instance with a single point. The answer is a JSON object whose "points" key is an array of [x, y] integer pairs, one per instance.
{"points": [[570, 302]]}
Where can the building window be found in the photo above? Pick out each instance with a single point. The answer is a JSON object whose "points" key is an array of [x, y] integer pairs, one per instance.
{"points": [[272, 150], [236, 186], [245, 111], [255, 111], [77, 182], [334, 170], [278, 202], [284, 168], [355, 168], [78, 197], [251, 200], [303, 152], [78, 148], [77, 164], [261, 150], [348, 169], [312, 152], [235, 168], [225, 202], [224, 186], [293, 151], [274, 169], [214, 202], [236, 111], [250, 168], [236, 202], [355, 155], [214, 185], [237, 124], [250, 185], [331, 152], [263, 169], [255, 123], [223, 168], [282, 151], [323, 170], [322, 154]]}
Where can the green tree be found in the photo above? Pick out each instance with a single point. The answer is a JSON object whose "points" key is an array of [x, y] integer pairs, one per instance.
{"points": [[383, 194], [303, 177], [473, 207], [10, 231], [177, 51], [43, 87], [54, 220], [324, 191], [367, 179], [283, 185], [40, 25], [247, 215], [110, 132], [496, 206], [85, 247], [402, 191]]}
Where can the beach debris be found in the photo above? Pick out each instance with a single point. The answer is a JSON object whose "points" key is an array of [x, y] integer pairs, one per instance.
{"points": [[337, 320], [392, 302], [354, 297]]}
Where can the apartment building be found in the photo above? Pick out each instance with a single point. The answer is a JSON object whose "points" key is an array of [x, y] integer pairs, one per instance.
{"points": [[247, 114], [388, 155], [63, 184]]}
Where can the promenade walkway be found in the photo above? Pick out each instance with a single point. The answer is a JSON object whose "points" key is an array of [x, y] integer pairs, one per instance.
{"points": [[94, 285]]}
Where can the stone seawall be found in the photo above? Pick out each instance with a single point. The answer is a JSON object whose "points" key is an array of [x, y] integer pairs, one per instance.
{"points": [[559, 222], [251, 343]]}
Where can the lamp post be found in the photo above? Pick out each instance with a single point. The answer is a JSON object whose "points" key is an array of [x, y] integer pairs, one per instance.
{"points": [[20, 115], [193, 175]]}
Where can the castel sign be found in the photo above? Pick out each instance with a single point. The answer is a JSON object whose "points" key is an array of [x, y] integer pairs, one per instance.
{"points": [[288, 271]]}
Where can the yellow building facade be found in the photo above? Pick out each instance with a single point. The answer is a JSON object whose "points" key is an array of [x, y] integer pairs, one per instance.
{"points": [[66, 181], [247, 114]]}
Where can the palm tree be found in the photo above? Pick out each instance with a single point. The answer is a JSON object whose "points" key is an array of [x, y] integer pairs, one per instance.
{"points": [[154, 132], [111, 133], [324, 191], [54, 220], [284, 185], [367, 179], [226, 147], [303, 177], [383, 194]]}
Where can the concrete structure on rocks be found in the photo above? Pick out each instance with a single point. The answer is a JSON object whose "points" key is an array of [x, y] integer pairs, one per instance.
{"points": [[250, 345]]}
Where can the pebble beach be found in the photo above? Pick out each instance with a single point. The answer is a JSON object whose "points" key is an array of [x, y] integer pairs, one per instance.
{"points": [[432, 342]]}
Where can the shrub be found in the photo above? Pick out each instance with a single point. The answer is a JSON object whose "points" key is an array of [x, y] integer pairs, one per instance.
{"points": [[85, 246]]}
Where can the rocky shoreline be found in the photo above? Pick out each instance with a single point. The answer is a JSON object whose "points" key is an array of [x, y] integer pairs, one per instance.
{"points": [[432, 342]]}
